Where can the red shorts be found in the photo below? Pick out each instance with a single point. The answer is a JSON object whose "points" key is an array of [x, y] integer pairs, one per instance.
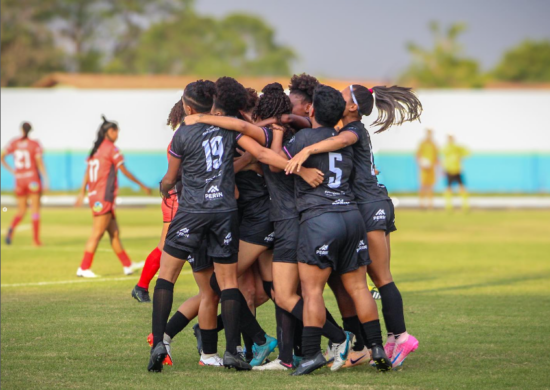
{"points": [[100, 206], [27, 186], [169, 208]]}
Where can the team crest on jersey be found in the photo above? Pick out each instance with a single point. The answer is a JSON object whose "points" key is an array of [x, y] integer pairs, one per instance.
{"points": [[362, 246], [227, 240], [34, 186], [213, 193], [98, 206], [340, 201], [190, 259], [183, 233], [380, 215], [270, 237], [323, 250]]}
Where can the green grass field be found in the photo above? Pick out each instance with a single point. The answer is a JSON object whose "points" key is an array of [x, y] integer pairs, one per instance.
{"points": [[476, 290]]}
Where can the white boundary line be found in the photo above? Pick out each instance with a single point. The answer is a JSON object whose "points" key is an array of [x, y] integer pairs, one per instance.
{"points": [[90, 280]]}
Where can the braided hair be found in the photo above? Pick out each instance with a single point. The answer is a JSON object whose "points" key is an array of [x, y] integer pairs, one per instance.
{"points": [[274, 103], [199, 95], [395, 105], [251, 100], [105, 126]]}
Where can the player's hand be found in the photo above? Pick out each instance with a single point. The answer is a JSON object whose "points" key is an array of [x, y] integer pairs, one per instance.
{"points": [[247, 156], [79, 200], [312, 176], [295, 164], [246, 116], [254, 167], [276, 127], [192, 119]]}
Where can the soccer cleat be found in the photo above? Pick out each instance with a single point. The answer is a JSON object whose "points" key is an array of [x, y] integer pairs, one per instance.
{"points": [[140, 294], [356, 358], [402, 350], [275, 365], [388, 348], [262, 351], [329, 353], [375, 294], [236, 361], [150, 339], [381, 361], [168, 359], [211, 360], [9, 236], [307, 366], [198, 336], [296, 360], [341, 351], [158, 354], [133, 267], [85, 273]]}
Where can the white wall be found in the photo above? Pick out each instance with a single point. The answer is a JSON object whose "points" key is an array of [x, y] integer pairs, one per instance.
{"points": [[484, 120]]}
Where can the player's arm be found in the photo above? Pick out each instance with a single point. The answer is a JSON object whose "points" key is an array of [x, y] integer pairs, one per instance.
{"points": [[171, 177], [240, 163], [343, 139], [225, 122], [5, 163], [297, 122], [313, 177], [82, 191], [43, 173], [277, 147], [134, 179]]}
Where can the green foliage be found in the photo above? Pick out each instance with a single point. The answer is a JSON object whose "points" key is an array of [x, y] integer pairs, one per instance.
{"points": [[444, 65], [527, 62]]}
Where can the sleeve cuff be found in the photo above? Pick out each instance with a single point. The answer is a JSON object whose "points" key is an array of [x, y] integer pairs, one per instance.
{"points": [[287, 152], [174, 154]]}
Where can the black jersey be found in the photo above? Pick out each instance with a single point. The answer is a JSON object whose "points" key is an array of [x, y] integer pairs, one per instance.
{"points": [[281, 190], [208, 178], [364, 182], [251, 185], [334, 194]]}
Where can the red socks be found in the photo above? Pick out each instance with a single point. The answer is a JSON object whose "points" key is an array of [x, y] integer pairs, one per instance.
{"points": [[15, 221], [87, 261], [36, 228], [124, 259], [152, 265]]}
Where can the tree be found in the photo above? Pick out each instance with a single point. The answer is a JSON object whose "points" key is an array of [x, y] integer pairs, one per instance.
{"points": [[28, 48], [527, 62], [444, 65]]}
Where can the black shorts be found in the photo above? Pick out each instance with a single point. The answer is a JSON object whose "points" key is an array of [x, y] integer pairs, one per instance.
{"points": [[188, 231], [198, 261], [336, 240], [454, 178], [379, 215], [254, 223], [285, 249]]}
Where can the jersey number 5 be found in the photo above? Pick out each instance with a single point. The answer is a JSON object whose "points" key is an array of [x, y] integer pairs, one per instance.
{"points": [[92, 170], [334, 182], [213, 147]]}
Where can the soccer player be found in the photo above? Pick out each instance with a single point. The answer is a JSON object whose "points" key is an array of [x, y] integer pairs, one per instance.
{"points": [[301, 89], [29, 172], [104, 162], [427, 159], [332, 236], [395, 105], [452, 163]]}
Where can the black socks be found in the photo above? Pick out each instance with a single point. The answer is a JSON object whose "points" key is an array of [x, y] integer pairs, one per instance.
{"points": [[209, 341], [162, 305], [373, 332], [231, 314], [286, 323], [176, 324], [353, 325], [311, 340], [249, 324], [267, 288], [330, 331], [392, 309], [219, 326]]}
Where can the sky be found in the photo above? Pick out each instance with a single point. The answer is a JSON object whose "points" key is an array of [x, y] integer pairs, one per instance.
{"points": [[366, 39]]}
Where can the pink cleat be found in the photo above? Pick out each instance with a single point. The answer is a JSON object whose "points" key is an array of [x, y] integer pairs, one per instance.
{"points": [[388, 348], [402, 350]]}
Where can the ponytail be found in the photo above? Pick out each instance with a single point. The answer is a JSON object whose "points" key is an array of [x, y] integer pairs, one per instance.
{"points": [[105, 126], [176, 116], [26, 126], [395, 105]]}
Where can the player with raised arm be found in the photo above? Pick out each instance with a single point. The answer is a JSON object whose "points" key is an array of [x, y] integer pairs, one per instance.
{"points": [[395, 105], [104, 162], [29, 172]]}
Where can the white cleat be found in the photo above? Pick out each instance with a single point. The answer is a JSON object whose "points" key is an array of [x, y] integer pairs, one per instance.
{"points": [[341, 351], [85, 273], [133, 267], [275, 365], [211, 360]]}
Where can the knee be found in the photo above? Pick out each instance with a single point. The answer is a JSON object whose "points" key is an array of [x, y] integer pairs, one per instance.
{"points": [[284, 301]]}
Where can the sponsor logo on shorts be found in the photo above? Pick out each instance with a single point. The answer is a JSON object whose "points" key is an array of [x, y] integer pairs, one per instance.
{"points": [[213, 193], [362, 246], [340, 201], [380, 215], [334, 193], [190, 259], [98, 206], [34, 186], [227, 240], [270, 237], [323, 250], [183, 233]]}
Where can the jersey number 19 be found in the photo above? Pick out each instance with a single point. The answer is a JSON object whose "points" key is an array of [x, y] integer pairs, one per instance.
{"points": [[213, 148]]}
